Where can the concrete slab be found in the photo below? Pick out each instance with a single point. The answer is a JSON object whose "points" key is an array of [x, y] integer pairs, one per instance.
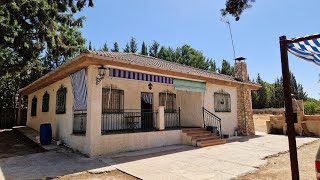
{"points": [[35, 137], [48, 164], [240, 156]]}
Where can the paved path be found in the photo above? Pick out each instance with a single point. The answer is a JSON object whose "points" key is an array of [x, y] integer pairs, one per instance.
{"points": [[218, 162], [47, 164], [172, 162]]}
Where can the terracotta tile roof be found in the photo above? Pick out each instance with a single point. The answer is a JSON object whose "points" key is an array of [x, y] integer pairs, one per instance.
{"points": [[153, 62]]}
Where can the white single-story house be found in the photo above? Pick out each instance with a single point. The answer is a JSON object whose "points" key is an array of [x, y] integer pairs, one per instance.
{"points": [[109, 102]]}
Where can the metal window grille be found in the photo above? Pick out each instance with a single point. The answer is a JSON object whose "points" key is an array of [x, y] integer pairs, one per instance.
{"points": [[170, 104], [45, 102], [112, 100], [61, 100], [79, 121], [222, 102], [34, 106]]}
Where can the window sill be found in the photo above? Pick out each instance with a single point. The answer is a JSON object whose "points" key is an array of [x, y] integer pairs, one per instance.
{"points": [[79, 134]]}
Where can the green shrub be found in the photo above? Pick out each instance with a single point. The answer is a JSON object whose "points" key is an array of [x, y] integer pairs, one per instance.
{"points": [[310, 108]]}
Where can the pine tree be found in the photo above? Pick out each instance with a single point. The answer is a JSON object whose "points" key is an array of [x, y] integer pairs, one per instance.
{"points": [[29, 28], [163, 53], [153, 49], [212, 65], [115, 47], [226, 68], [105, 47], [144, 50], [127, 48], [133, 45]]}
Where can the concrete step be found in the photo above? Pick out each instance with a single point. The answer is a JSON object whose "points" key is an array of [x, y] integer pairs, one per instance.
{"points": [[206, 138], [200, 136], [185, 130], [195, 140], [211, 142], [191, 133]]}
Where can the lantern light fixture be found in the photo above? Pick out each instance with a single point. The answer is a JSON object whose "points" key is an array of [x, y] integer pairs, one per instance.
{"points": [[101, 74]]}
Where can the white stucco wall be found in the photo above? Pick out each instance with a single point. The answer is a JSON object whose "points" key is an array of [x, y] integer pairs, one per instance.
{"points": [[62, 124], [93, 143], [191, 108], [116, 143], [228, 119]]}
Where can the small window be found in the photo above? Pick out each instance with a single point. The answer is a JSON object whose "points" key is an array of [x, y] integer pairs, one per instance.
{"points": [[168, 100], [112, 100], [34, 106], [45, 102], [222, 102], [61, 100]]}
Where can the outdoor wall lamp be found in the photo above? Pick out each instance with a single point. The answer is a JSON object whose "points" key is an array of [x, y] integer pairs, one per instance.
{"points": [[101, 74], [150, 86]]}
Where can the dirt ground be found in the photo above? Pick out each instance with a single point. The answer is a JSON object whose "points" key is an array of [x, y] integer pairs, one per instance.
{"points": [[278, 167], [14, 144], [116, 174], [260, 122]]}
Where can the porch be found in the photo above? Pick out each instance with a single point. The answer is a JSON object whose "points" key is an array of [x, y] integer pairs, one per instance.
{"points": [[129, 114]]}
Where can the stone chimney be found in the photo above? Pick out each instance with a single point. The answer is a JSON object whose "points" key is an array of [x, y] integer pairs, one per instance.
{"points": [[244, 110], [240, 71]]}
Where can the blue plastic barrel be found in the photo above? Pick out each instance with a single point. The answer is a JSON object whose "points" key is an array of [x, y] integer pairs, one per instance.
{"points": [[45, 134]]}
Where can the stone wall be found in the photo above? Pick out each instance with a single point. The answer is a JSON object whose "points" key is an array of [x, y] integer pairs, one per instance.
{"points": [[245, 115]]}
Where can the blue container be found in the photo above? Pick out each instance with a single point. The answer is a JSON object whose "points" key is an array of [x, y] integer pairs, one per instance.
{"points": [[45, 134]]}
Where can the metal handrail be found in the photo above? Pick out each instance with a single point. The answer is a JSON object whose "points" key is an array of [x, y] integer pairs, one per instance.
{"points": [[211, 120]]}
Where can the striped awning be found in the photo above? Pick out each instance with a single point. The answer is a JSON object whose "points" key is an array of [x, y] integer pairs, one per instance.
{"points": [[307, 49], [119, 73]]}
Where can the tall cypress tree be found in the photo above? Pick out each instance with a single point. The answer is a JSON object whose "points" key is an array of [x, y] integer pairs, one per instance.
{"points": [[115, 47], [127, 48], [144, 50], [153, 49], [105, 47], [133, 45], [90, 46]]}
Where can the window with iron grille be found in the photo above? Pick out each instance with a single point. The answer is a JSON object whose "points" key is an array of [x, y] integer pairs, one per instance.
{"points": [[222, 102], [61, 100], [112, 100], [45, 102], [168, 100], [34, 106]]}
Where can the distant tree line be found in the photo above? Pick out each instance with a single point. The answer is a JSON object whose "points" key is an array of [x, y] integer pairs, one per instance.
{"points": [[184, 55], [271, 94]]}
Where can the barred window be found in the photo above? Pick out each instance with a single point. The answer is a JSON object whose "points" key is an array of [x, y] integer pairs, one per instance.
{"points": [[34, 106], [170, 104], [61, 100], [112, 100], [45, 102], [222, 102]]}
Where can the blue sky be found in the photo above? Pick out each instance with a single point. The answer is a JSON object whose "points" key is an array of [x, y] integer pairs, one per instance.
{"points": [[197, 23]]}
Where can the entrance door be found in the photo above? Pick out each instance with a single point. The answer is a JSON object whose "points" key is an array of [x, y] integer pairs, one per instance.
{"points": [[146, 110]]}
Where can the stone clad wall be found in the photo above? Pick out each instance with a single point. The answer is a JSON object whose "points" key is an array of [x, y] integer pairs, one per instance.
{"points": [[244, 101], [245, 115]]}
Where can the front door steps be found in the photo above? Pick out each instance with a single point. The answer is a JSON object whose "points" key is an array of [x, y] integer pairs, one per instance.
{"points": [[201, 137]]}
